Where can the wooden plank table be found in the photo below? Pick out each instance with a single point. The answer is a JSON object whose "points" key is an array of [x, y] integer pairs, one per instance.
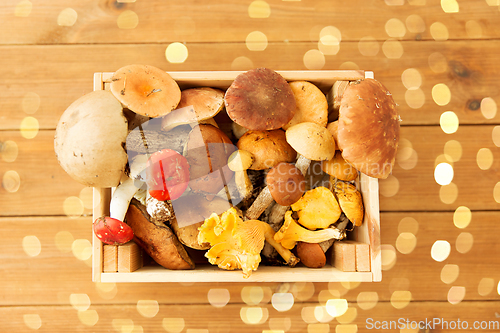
{"points": [[440, 244]]}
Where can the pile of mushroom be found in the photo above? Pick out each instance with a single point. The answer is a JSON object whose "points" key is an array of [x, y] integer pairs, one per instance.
{"points": [[219, 169]]}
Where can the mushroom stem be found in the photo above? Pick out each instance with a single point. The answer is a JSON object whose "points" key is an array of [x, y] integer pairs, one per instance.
{"points": [[121, 198], [278, 211], [290, 259], [260, 204], [125, 191], [325, 245], [239, 161], [291, 232], [303, 164]]}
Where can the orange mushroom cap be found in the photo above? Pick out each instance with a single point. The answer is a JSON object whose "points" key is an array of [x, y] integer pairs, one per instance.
{"points": [[146, 90]]}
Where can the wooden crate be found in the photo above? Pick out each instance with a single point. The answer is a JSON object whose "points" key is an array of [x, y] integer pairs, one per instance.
{"points": [[368, 233]]}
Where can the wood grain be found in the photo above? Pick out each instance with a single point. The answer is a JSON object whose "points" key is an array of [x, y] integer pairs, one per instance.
{"points": [[247, 318], [411, 46], [469, 70], [230, 21], [27, 280]]}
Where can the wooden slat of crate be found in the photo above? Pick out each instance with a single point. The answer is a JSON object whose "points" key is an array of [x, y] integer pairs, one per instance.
{"points": [[369, 189]]}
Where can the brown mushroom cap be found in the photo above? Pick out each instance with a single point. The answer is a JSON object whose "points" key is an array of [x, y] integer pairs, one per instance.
{"points": [[368, 131], [311, 254], [311, 104], [196, 105], [260, 99], [268, 148], [286, 183], [207, 152], [89, 140], [311, 140], [146, 90]]}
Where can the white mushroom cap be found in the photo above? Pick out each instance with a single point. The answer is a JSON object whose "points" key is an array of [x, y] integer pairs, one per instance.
{"points": [[89, 140]]}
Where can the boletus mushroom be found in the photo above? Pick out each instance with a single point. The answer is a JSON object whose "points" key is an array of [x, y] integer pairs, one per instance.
{"points": [[260, 99], [89, 140], [286, 183], [146, 90], [368, 129], [311, 142], [311, 254]]}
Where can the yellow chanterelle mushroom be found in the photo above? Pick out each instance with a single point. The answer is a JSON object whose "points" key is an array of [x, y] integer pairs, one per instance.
{"points": [[350, 201], [317, 209], [291, 232], [236, 244]]}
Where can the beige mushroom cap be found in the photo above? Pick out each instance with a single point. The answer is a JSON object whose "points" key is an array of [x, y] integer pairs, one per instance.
{"points": [[146, 90], [311, 104], [311, 140], [368, 129], [89, 140]]}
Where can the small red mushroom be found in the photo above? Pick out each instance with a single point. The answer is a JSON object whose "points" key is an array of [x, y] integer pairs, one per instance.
{"points": [[167, 175], [112, 231]]}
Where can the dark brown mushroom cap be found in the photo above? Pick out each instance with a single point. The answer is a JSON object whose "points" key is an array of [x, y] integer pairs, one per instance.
{"points": [[286, 183], [368, 130], [260, 99]]}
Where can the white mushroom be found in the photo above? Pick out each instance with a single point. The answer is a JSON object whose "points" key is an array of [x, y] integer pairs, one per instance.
{"points": [[89, 140], [128, 187]]}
